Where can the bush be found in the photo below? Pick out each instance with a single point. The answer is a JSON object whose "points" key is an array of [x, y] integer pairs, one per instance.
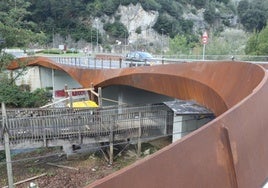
{"points": [[150, 5], [116, 29], [19, 97]]}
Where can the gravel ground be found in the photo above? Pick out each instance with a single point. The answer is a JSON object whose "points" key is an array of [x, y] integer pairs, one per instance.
{"points": [[59, 172]]}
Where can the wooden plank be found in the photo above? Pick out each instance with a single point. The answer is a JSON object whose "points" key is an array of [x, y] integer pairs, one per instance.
{"points": [[62, 166], [29, 179]]}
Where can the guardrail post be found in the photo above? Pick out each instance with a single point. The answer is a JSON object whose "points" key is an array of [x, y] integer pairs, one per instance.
{"points": [[100, 97], [44, 132], [66, 94], [71, 99], [79, 131], [91, 93]]}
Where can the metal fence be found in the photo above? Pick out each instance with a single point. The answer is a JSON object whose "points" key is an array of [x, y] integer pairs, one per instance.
{"points": [[81, 125], [106, 63], [91, 62]]}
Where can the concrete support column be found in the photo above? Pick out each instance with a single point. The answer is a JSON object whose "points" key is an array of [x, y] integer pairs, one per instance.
{"points": [[177, 128]]}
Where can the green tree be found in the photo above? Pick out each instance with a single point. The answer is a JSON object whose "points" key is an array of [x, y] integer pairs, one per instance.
{"points": [[15, 29], [150, 5], [242, 8], [15, 96], [210, 14], [179, 45], [199, 3], [257, 43], [166, 24], [127, 2], [229, 42], [253, 15], [224, 1], [110, 7], [116, 29], [173, 8], [138, 30], [254, 20]]}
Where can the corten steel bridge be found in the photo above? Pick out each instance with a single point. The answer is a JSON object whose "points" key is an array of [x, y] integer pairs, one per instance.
{"points": [[229, 151]]}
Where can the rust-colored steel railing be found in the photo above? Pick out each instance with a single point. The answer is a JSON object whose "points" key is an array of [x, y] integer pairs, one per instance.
{"points": [[230, 151]]}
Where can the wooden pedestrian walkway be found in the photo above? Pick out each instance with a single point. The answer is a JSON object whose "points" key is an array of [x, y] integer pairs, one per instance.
{"points": [[30, 128]]}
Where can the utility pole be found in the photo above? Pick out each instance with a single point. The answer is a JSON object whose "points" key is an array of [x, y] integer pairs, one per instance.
{"points": [[7, 147]]}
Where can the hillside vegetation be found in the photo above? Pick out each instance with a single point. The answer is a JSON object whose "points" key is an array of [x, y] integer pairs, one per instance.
{"points": [[37, 23]]}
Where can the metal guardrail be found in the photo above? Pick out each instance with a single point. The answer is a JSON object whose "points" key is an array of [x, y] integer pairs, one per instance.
{"points": [[106, 63], [76, 125], [90, 62]]}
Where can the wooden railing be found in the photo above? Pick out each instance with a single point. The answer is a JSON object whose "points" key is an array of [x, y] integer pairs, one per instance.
{"points": [[46, 127]]}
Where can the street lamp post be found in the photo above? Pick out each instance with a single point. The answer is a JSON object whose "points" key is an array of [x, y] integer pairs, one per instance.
{"points": [[125, 42], [91, 46], [162, 42], [97, 35]]}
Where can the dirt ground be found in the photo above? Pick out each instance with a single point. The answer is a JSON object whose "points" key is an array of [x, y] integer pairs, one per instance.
{"points": [[57, 172]]}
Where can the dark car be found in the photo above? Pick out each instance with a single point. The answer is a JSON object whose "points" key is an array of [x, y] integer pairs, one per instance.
{"points": [[139, 58]]}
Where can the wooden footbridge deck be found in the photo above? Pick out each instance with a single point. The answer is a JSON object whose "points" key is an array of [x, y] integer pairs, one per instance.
{"points": [[30, 128]]}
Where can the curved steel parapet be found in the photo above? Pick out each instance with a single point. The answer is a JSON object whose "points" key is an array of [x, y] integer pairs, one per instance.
{"points": [[229, 151]]}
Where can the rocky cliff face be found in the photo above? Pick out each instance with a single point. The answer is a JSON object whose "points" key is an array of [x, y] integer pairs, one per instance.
{"points": [[134, 16]]}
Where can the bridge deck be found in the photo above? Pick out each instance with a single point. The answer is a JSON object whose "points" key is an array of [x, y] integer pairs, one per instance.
{"points": [[85, 126], [231, 147]]}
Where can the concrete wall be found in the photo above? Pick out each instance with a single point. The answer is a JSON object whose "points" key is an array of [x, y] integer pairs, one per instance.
{"points": [[185, 124], [42, 77], [61, 79], [31, 78], [45, 77], [131, 95]]}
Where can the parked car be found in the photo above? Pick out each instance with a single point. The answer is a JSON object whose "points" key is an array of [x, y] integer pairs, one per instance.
{"points": [[139, 58]]}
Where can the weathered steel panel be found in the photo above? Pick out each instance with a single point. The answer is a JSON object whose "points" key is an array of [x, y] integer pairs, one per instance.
{"points": [[230, 151]]}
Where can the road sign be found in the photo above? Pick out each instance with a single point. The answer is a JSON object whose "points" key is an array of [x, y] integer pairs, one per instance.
{"points": [[205, 38], [204, 42]]}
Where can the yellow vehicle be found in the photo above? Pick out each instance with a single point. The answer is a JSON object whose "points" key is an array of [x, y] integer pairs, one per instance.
{"points": [[83, 104]]}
